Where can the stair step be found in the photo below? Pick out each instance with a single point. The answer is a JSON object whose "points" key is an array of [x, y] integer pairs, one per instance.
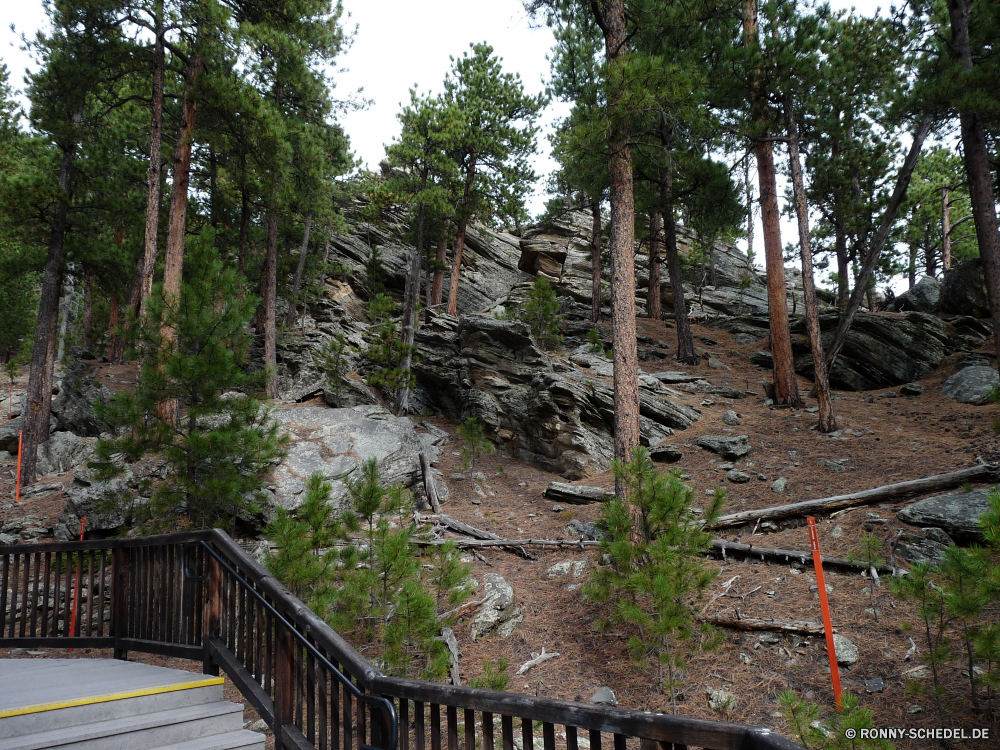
{"points": [[241, 740], [147, 730]]}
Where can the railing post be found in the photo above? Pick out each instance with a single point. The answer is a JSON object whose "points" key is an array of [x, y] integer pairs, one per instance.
{"points": [[213, 612], [284, 685], [121, 575]]}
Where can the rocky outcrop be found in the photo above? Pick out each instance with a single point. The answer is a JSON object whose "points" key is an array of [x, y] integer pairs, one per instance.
{"points": [[550, 414], [881, 349], [957, 514], [63, 451], [499, 614], [73, 405], [335, 442], [971, 385], [925, 296], [963, 290]]}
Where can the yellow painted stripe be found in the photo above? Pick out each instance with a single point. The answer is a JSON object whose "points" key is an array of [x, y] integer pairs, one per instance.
{"points": [[39, 707]]}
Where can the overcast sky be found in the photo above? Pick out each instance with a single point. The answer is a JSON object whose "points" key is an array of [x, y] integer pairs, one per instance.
{"points": [[400, 44]]}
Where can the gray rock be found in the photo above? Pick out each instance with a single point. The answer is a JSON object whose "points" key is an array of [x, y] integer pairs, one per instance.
{"points": [[567, 567], [911, 389], [972, 359], [584, 530], [40, 490], [63, 451], [963, 290], [335, 442], [674, 378], [665, 454], [957, 514], [738, 477], [108, 506], [731, 418], [731, 447], [720, 700], [923, 297], [834, 466], [73, 406], [604, 696], [876, 685], [499, 615], [926, 546], [971, 385], [847, 652]]}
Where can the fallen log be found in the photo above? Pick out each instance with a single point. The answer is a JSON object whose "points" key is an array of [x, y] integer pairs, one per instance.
{"points": [[576, 494], [722, 548], [536, 659], [429, 489], [801, 627], [936, 483], [474, 543], [463, 528]]}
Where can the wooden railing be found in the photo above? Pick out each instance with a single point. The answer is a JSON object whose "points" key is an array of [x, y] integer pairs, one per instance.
{"points": [[200, 596]]}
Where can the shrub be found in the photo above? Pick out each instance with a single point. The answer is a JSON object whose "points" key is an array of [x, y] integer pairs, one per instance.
{"points": [[541, 313]]}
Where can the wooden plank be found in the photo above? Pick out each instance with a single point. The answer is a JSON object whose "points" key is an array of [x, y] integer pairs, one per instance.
{"points": [[435, 726], [506, 732], [418, 715], [527, 735], [452, 714], [46, 591], [254, 693], [56, 642], [470, 729], [403, 713], [181, 651], [5, 565], [571, 743], [293, 739], [595, 740], [23, 600], [722, 548], [487, 730], [284, 682], [549, 736], [37, 568]]}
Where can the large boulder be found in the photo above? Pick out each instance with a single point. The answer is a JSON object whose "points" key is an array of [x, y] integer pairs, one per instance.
{"points": [[499, 614], [972, 385], [963, 290], [957, 514], [335, 442], [73, 406], [924, 296], [63, 451]]}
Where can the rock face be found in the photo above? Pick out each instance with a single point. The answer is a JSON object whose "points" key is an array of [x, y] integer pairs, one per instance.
{"points": [[927, 546], [847, 652], [335, 442], [957, 514], [73, 406], [562, 421], [725, 445], [972, 385], [925, 296], [63, 451], [963, 290], [499, 614], [881, 349]]}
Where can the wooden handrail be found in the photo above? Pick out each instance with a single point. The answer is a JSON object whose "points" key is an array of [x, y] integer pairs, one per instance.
{"points": [[199, 595]]}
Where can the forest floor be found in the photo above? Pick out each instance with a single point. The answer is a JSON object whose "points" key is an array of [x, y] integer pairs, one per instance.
{"points": [[885, 439]]}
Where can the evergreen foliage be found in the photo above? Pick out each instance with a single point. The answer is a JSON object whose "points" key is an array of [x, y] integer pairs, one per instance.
{"points": [[221, 449], [333, 360], [541, 313], [386, 350], [361, 571], [474, 442], [803, 719], [655, 546]]}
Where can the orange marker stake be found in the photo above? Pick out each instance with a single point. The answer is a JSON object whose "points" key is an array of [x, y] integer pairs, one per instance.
{"points": [[17, 491], [825, 606], [74, 626]]}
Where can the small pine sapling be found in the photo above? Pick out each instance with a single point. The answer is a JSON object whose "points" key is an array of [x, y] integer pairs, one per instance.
{"points": [[656, 550], [541, 313], [868, 552], [802, 718], [965, 599], [597, 344], [845, 726], [386, 351], [474, 442], [333, 360], [494, 676]]}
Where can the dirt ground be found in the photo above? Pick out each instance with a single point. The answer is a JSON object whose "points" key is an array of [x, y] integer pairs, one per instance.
{"points": [[885, 439]]}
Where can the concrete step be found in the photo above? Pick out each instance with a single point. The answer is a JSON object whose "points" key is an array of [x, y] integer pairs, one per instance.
{"points": [[242, 740], [141, 731]]}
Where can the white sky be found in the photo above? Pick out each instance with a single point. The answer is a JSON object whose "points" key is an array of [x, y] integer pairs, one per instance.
{"points": [[401, 44]]}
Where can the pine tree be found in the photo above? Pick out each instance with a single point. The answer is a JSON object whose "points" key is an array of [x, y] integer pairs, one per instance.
{"points": [[221, 449], [541, 313]]}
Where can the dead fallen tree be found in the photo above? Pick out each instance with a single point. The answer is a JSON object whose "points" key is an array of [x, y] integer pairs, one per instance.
{"points": [[576, 494], [722, 548], [465, 529], [800, 627], [476, 543], [937, 483]]}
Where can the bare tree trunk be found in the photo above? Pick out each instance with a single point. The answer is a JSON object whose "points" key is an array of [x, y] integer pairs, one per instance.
{"points": [[621, 244], [116, 351], [437, 288], [945, 231], [270, 293], [148, 261], [653, 293], [595, 264], [977, 169], [411, 297], [827, 420], [911, 268], [38, 399], [64, 312], [843, 265], [299, 270], [786, 388], [173, 268], [748, 187], [456, 267], [863, 275], [685, 341], [87, 319]]}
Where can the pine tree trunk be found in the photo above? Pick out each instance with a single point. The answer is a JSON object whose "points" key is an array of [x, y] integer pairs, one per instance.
{"points": [[862, 275], [437, 288], [930, 257], [116, 351], [945, 231], [38, 399], [786, 388], [911, 268], [269, 303], [827, 420], [595, 264], [621, 244], [843, 264], [653, 293], [456, 267], [299, 270], [114, 314], [173, 268], [411, 297], [241, 260], [87, 318], [685, 341], [148, 261], [977, 169]]}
